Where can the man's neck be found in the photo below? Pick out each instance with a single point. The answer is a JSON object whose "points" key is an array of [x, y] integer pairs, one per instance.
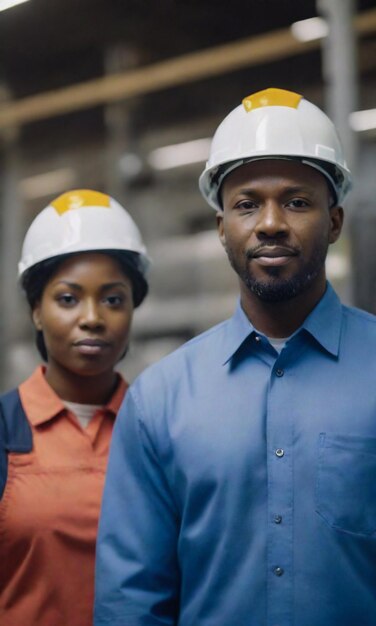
{"points": [[280, 319]]}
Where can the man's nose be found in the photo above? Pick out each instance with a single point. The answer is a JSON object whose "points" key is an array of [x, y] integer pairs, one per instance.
{"points": [[272, 221]]}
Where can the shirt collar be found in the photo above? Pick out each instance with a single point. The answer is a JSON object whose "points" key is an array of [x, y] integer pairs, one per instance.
{"points": [[113, 405], [237, 330], [323, 323], [42, 404]]}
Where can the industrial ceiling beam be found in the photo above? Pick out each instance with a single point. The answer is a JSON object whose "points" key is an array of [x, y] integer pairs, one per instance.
{"points": [[247, 52]]}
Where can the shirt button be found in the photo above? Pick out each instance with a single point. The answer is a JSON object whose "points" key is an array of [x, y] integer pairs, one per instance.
{"points": [[257, 338], [279, 373], [277, 519], [279, 452], [278, 571]]}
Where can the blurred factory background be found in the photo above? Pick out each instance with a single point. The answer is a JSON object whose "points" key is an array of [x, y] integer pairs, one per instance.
{"points": [[123, 95]]}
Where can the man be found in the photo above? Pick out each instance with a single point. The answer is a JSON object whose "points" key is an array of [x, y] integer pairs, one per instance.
{"points": [[241, 488]]}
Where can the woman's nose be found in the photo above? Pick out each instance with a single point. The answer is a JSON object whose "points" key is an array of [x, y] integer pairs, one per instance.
{"points": [[90, 315]]}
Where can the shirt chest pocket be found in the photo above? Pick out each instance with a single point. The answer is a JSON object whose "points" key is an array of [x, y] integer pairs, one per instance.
{"points": [[346, 483]]}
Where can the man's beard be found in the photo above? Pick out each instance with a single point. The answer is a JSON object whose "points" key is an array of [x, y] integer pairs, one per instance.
{"points": [[280, 289]]}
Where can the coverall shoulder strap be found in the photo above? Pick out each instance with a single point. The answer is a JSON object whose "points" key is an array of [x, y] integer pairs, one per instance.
{"points": [[15, 431]]}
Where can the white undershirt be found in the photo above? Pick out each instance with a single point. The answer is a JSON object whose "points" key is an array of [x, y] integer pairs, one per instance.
{"points": [[277, 343], [83, 412]]}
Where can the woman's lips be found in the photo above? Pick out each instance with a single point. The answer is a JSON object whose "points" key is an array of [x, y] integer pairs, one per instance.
{"points": [[90, 346]]}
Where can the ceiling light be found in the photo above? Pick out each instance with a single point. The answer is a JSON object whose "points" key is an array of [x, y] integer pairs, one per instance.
{"points": [[130, 165], [363, 120], [8, 4], [168, 157], [310, 30]]}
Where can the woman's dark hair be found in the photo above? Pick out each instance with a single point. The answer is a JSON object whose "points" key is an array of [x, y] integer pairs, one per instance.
{"points": [[36, 278]]}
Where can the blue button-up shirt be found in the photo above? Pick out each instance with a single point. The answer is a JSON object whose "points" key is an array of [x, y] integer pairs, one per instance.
{"points": [[241, 488]]}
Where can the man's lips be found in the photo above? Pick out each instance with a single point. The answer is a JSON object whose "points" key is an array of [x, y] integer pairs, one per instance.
{"points": [[272, 255]]}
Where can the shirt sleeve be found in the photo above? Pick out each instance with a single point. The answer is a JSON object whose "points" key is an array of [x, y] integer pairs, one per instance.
{"points": [[137, 574]]}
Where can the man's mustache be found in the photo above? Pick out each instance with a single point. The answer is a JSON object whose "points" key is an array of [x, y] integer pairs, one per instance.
{"points": [[262, 247]]}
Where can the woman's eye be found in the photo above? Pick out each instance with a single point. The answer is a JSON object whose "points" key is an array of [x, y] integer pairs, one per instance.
{"points": [[114, 300], [66, 299]]}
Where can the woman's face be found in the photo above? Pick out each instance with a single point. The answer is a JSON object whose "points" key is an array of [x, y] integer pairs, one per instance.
{"points": [[85, 314]]}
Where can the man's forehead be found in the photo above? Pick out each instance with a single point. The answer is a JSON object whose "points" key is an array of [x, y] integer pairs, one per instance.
{"points": [[294, 172]]}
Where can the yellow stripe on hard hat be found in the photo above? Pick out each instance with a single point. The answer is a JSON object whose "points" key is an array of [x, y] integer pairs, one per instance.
{"points": [[272, 97], [78, 198]]}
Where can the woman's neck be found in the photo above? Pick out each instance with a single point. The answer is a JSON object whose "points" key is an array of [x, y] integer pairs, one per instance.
{"points": [[81, 389]]}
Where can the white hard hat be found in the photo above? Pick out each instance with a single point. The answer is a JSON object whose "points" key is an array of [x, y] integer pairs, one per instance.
{"points": [[83, 220], [275, 123]]}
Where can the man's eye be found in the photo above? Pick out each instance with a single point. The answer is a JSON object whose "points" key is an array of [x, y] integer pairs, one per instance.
{"points": [[245, 205], [298, 203]]}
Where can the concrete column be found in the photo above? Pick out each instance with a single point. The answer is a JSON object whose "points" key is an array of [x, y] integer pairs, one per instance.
{"points": [[340, 71], [10, 245]]}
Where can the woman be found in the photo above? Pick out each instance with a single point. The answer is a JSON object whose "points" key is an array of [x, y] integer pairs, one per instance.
{"points": [[83, 270]]}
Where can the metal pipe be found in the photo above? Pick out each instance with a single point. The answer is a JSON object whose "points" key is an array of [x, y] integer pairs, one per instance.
{"points": [[199, 65]]}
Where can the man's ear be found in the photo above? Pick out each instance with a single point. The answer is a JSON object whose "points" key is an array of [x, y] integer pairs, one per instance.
{"points": [[36, 317], [220, 228], [336, 223]]}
